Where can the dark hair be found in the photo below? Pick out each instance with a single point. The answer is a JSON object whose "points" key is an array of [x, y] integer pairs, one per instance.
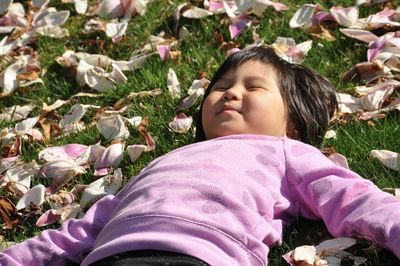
{"points": [[310, 98]]}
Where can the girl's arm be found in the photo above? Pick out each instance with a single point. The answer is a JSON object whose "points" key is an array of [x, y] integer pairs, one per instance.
{"points": [[71, 242], [348, 204]]}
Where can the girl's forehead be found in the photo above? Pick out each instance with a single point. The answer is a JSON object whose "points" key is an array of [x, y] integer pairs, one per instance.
{"points": [[250, 68]]}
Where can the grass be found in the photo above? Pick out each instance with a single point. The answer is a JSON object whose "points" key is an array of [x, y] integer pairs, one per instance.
{"points": [[201, 54]]}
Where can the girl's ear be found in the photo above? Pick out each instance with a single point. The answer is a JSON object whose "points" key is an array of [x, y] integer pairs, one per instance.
{"points": [[291, 130]]}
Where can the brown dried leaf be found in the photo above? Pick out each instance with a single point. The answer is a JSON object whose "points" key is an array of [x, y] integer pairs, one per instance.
{"points": [[13, 149], [9, 214], [31, 75], [51, 129], [125, 101], [322, 32]]}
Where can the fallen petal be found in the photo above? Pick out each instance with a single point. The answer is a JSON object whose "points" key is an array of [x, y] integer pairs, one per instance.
{"points": [[302, 16], [181, 123], [34, 195], [389, 159], [66, 152], [49, 217], [111, 157], [173, 84], [134, 151], [113, 127], [340, 243], [15, 113]]}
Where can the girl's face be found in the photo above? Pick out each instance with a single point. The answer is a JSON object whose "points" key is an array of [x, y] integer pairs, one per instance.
{"points": [[245, 101]]}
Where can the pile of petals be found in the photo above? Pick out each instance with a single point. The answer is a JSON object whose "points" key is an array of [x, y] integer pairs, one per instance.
{"points": [[20, 66], [117, 14], [91, 69], [238, 12], [328, 252]]}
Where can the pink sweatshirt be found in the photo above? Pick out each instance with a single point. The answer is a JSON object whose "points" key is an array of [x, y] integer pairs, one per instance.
{"points": [[224, 201]]}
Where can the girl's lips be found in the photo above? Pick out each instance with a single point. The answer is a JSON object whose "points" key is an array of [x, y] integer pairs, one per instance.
{"points": [[228, 109]]}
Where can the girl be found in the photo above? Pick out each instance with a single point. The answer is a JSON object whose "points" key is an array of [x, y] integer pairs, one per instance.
{"points": [[225, 199]]}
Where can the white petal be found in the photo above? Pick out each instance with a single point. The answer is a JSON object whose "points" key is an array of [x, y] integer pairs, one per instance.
{"points": [[340, 243], [107, 185], [22, 173], [116, 30], [173, 84], [81, 70], [56, 18], [387, 158], [113, 127], [374, 100], [111, 9], [4, 4], [52, 31], [68, 212], [15, 113], [16, 9], [191, 100], [25, 127], [6, 163], [134, 151], [10, 78], [133, 63], [34, 195], [75, 114], [92, 153], [117, 75], [57, 104], [61, 172], [196, 12], [133, 121], [305, 254], [348, 103], [302, 16], [98, 79], [330, 134], [80, 6], [197, 85], [39, 3]]}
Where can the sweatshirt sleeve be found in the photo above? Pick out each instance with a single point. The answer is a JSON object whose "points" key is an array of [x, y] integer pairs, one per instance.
{"points": [[348, 204], [71, 242]]}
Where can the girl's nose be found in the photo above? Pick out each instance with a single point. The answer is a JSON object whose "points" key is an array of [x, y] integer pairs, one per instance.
{"points": [[233, 93]]}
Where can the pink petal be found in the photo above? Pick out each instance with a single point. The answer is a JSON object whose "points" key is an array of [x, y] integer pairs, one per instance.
{"points": [[345, 16], [362, 35], [101, 171], [49, 217], [150, 141], [339, 160], [111, 9], [163, 51], [232, 51], [216, 6], [377, 45], [322, 16], [236, 28], [111, 157], [181, 123], [66, 152]]}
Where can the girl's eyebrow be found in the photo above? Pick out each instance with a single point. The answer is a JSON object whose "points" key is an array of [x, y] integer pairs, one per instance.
{"points": [[254, 78]]}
